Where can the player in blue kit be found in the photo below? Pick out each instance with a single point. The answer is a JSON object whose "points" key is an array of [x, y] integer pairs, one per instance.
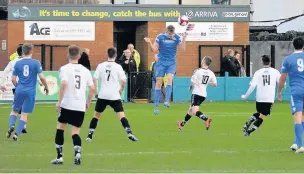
{"points": [[293, 66], [166, 45], [26, 70]]}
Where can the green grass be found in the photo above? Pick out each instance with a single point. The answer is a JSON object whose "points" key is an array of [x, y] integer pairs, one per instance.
{"points": [[161, 147]]}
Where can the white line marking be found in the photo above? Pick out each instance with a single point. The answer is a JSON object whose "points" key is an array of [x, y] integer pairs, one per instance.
{"points": [[141, 170], [223, 151], [102, 154]]}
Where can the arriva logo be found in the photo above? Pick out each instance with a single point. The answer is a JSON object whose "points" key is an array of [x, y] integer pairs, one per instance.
{"points": [[201, 14], [52, 84]]}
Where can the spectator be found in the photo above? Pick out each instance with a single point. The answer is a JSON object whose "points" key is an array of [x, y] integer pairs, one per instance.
{"points": [[129, 66], [230, 64], [135, 55], [84, 59], [242, 72], [13, 56]]}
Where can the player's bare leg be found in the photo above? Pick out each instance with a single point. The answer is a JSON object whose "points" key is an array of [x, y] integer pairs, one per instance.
{"points": [[168, 90], [298, 119], [59, 141], [125, 124], [22, 122], [186, 119], [157, 94], [12, 122], [93, 125], [294, 147], [248, 123], [257, 123]]}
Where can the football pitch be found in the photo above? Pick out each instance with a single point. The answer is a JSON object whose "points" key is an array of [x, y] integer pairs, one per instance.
{"points": [[161, 146]]}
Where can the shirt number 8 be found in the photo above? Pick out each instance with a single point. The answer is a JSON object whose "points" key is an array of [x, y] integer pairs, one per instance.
{"points": [[26, 70]]}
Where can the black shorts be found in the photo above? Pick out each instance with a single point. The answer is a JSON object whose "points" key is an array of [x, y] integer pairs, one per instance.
{"points": [[197, 100], [14, 90], [74, 118], [264, 108], [101, 105]]}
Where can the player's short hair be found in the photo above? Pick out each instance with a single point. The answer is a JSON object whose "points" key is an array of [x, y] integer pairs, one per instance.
{"points": [[171, 29], [298, 43], [19, 50], [266, 59], [207, 60], [74, 52], [27, 48], [112, 52], [236, 52]]}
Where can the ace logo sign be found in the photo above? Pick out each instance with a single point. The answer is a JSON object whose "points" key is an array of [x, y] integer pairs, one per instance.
{"points": [[35, 30], [59, 31]]}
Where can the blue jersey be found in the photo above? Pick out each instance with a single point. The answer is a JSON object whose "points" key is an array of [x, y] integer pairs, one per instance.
{"points": [[167, 47], [293, 65], [27, 70]]}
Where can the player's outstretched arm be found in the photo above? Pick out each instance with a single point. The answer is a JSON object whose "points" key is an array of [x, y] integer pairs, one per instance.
{"points": [[153, 47], [253, 84], [281, 84], [249, 91], [182, 45], [44, 82]]}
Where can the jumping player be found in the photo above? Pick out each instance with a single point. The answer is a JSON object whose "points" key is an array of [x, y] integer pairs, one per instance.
{"points": [[166, 45], [293, 66], [113, 81], [200, 80], [26, 70], [265, 80], [72, 103]]}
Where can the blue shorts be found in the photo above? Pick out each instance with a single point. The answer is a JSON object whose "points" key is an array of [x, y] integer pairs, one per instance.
{"points": [[297, 103], [24, 101], [161, 69]]}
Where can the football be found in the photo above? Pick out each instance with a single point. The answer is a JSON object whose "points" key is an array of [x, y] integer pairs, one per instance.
{"points": [[183, 20]]}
